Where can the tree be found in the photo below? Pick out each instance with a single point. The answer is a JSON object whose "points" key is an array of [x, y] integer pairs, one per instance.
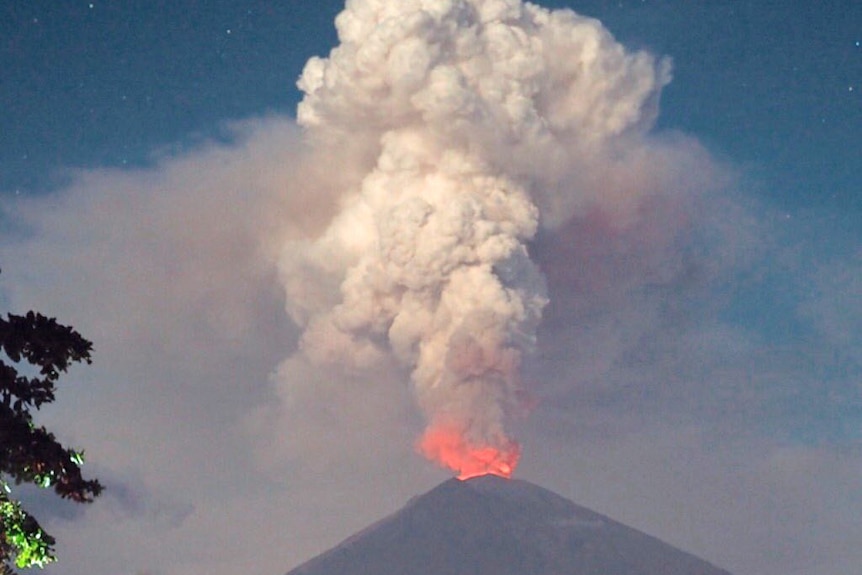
{"points": [[37, 345]]}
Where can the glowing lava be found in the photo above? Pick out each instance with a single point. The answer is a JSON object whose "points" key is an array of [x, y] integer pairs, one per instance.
{"points": [[452, 450]]}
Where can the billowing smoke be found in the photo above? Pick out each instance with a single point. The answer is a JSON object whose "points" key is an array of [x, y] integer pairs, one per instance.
{"points": [[459, 128]]}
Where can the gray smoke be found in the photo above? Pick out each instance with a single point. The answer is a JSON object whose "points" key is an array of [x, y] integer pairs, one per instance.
{"points": [[459, 127]]}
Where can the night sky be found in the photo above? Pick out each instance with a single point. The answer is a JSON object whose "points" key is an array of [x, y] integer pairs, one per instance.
{"points": [[720, 411], [107, 83]]}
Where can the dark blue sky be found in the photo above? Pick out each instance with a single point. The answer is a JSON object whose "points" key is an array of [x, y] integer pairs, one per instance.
{"points": [[776, 87], [109, 84]]}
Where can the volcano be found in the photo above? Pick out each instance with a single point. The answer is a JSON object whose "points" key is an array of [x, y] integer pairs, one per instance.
{"points": [[494, 526]]}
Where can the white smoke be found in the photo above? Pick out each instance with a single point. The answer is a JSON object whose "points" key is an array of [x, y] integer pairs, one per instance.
{"points": [[461, 127]]}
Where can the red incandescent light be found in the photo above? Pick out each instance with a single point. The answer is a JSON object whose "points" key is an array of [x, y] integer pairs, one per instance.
{"points": [[451, 449]]}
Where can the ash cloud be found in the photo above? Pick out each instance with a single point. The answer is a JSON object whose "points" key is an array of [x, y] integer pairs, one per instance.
{"points": [[465, 133]]}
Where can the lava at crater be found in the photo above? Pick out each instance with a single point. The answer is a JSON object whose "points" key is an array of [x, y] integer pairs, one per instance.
{"points": [[452, 450]]}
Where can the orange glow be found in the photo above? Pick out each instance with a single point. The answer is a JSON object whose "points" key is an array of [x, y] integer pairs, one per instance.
{"points": [[451, 449]]}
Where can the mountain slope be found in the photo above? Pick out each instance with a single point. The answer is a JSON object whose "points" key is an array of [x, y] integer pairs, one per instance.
{"points": [[494, 526]]}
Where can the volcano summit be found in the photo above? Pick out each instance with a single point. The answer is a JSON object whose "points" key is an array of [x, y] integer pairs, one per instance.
{"points": [[494, 526]]}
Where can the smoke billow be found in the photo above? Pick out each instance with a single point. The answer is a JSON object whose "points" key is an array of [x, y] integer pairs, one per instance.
{"points": [[458, 128]]}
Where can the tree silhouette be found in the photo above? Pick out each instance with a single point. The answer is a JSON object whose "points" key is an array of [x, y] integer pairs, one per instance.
{"points": [[31, 454]]}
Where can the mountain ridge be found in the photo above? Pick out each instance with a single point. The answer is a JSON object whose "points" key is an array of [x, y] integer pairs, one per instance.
{"points": [[494, 526]]}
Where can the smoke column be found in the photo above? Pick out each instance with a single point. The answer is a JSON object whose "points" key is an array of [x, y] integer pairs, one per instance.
{"points": [[460, 127]]}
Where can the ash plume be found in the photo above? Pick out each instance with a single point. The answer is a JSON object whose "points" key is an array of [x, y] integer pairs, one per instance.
{"points": [[455, 129]]}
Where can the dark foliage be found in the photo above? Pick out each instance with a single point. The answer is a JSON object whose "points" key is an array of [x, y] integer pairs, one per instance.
{"points": [[31, 454]]}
